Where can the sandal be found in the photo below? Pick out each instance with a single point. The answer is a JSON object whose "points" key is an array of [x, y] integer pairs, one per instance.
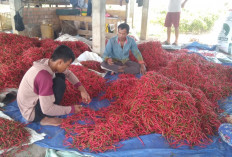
{"points": [[165, 43]]}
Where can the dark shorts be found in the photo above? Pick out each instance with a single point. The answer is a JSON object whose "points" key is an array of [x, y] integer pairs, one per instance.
{"points": [[38, 113], [58, 90], [172, 18]]}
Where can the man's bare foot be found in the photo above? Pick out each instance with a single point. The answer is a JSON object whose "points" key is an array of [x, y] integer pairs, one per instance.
{"points": [[51, 121]]}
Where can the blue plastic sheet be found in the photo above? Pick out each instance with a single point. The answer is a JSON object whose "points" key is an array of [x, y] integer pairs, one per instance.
{"points": [[204, 51], [195, 47], [154, 144]]}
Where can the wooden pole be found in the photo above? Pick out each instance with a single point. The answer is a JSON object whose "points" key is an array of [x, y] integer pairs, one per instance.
{"points": [[143, 34]]}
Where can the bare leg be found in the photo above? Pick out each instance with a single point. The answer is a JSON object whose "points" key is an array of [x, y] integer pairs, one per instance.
{"points": [[169, 34], [51, 121], [177, 35]]}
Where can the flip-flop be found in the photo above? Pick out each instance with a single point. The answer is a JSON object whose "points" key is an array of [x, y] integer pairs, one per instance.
{"points": [[165, 43]]}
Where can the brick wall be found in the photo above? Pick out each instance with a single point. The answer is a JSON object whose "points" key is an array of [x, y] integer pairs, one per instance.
{"points": [[34, 17]]}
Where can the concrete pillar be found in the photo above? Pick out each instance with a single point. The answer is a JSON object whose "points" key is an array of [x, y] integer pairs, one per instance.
{"points": [[128, 13], [144, 23], [98, 25], [15, 5]]}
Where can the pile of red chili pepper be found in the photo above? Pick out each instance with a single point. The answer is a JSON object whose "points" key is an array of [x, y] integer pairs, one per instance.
{"points": [[153, 55], [93, 83], [12, 134], [152, 104], [176, 98], [213, 79], [94, 65], [17, 54], [177, 101], [11, 49]]}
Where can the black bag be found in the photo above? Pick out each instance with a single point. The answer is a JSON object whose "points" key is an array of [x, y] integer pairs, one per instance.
{"points": [[19, 26]]}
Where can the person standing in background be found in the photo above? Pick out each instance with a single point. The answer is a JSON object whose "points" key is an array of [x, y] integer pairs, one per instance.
{"points": [[173, 18]]}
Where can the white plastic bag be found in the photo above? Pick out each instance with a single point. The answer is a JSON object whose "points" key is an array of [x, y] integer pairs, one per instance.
{"points": [[225, 36], [86, 56]]}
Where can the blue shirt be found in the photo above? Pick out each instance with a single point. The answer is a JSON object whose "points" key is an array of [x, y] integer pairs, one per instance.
{"points": [[116, 52]]}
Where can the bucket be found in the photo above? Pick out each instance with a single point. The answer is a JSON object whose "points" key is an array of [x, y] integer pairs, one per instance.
{"points": [[47, 31], [84, 13]]}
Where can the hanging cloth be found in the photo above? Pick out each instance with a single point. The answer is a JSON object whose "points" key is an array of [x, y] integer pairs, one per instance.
{"points": [[127, 1], [19, 26], [140, 3], [89, 9]]}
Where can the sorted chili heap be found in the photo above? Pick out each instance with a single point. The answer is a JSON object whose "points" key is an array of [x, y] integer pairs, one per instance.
{"points": [[153, 54], [94, 65], [174, 105], [93, 83], [17, 54], [152, 104], [12, 134], [215, 80], [178, 100]]}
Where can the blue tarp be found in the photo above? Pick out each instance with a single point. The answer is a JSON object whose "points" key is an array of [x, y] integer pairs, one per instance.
{"points": [[204, 51], [154, 144], [195, 47]]}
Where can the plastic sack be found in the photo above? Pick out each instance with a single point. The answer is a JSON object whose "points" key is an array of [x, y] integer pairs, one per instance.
{"points": [[89, 56], [225, 36]]}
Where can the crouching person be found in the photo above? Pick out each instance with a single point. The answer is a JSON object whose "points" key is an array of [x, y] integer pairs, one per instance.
{"points": [[42, 88]]}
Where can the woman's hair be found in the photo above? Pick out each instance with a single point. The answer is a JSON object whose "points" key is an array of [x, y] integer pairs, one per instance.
{"points": [[63, 52]]}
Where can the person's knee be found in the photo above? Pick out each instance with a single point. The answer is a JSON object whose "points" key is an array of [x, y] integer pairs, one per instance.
{"points": [[132, 70], [60, 75], [59, 82], [104, 64]]}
